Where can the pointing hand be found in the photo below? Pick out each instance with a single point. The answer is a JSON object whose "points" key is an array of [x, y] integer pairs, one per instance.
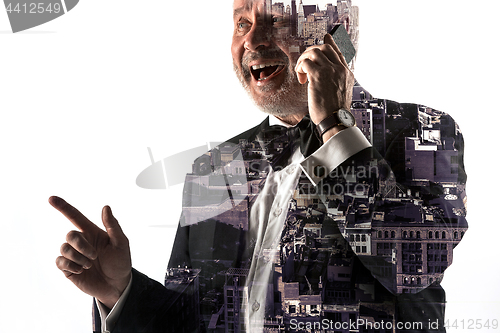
{"points": [[96, 261]]}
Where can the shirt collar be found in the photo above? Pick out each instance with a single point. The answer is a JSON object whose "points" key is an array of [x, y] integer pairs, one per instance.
{"points": [[275, 121]]}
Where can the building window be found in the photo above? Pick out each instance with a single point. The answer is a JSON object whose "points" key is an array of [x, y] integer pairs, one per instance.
{"points": [[430, 234], [443, 235], [393, 234]]}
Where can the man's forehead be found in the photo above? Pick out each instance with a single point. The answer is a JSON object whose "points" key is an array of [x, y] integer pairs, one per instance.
{"points": [[246, 5]]}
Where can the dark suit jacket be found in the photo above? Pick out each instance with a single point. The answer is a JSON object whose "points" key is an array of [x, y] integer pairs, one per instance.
{"points": [[209, 247]]}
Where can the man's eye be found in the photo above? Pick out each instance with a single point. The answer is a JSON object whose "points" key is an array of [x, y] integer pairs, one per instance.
{"points": [[242, 26], [279, 22]]}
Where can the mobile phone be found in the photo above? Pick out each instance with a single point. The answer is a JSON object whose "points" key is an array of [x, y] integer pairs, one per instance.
{"points": [[343, 41]]}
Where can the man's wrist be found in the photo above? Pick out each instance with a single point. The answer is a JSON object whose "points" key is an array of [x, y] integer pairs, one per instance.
{"points": [[341, 117], [115, 293], [331, 132]]}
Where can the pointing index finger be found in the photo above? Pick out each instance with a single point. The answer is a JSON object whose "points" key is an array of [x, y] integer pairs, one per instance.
{"points": [[71, 213]]}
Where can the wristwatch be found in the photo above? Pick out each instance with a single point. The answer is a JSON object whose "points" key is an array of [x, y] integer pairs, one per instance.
{"points": [[340, 117]]}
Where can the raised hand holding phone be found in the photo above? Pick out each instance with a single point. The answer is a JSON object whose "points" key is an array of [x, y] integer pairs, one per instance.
{"points": [[330, 80]]}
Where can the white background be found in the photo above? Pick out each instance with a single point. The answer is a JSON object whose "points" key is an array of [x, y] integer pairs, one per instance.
{"points": [[83, 96]]}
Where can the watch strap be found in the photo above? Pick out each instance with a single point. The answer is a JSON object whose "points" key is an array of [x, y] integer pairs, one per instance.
{"points": [[327, 123]]}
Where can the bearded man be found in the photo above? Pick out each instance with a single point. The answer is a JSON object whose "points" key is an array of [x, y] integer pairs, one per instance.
{"points": [[298, 223]]}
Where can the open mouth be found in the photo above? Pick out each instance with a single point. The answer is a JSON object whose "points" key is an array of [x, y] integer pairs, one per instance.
{"points": [[264, 72]]}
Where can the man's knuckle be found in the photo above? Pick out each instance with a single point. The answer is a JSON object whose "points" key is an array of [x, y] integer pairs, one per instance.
{"points": [[62, 263], [72, 236], [76, 239], [65, 249], [326, 48], [316, 52]]}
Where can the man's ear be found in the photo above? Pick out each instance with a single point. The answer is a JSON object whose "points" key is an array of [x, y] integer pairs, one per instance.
{"points": [[345, 21]]}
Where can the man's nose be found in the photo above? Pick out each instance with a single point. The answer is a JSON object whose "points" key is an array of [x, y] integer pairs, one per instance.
{"points": [[260, 36]]}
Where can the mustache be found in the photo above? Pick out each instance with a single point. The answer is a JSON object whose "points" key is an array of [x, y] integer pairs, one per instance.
{"points": [[263, 54]]}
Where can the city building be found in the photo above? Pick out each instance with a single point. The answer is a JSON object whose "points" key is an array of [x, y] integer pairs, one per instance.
{"points": [[185, 299]]}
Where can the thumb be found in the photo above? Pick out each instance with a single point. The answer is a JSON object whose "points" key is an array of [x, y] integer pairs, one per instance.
{"points": [[301, 72], [115, 232], [329, 40]]}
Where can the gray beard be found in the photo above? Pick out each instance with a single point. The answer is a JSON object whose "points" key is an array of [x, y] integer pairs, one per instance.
{"points": [[289, 99]]}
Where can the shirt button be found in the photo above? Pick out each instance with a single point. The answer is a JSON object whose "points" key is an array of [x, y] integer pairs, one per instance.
{"points": [[290, 170], [278, 212], [255, 306]]}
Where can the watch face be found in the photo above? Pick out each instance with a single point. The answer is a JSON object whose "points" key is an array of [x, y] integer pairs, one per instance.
{"points": [[346, 118]]}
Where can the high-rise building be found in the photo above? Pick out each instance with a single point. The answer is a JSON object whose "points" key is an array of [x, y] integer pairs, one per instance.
{"points": [[236, 310], [331, 13], [268, 7], [184, 301], [343, 7], [300, 20], [293, 18], [278, 8], [315, 29], [378, 126]]}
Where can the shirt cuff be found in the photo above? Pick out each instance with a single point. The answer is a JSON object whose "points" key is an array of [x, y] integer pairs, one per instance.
{"points": [[332, 153], [109, 317]]}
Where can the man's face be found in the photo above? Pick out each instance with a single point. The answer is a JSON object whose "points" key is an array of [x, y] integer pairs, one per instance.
{"points": [[264, 59]]}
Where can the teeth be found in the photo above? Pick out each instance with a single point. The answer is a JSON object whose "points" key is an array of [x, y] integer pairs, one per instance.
{"points": [[255, 67]]}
